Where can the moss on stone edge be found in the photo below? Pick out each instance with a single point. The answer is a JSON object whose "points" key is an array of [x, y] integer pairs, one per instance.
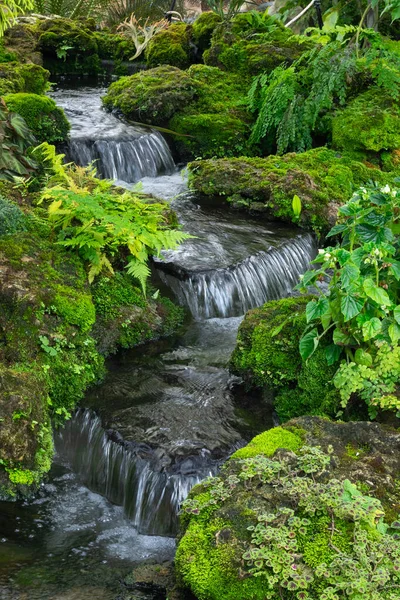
{"points": [[45, 119], [322, 178], [203, 28], [52, 344], [267, 355]]}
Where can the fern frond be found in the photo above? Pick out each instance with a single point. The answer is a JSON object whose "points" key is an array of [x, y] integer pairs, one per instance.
{"points": [[140, 271]]}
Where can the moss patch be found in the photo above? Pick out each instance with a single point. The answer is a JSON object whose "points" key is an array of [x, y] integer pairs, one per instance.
{"points": [[27, 78], [321, 178], [267, 443], [46, 120], [170, 47]]}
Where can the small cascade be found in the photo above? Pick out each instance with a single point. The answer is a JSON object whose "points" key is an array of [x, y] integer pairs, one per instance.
{"points": [[145, 155], [128, 475], [233, 290], [118, 150]]}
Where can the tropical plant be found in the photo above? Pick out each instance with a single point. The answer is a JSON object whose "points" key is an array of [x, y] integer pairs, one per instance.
{"points": [[360, 312], [9, 9], [141, 35], [102, 225], [71, 9], [227, 10], [15, 140]]}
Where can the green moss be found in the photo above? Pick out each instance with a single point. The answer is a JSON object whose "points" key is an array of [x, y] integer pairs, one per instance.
{"points": [[267, 359], [152, 96], [251, 44], [29, 78], [268, 443], [322, 178], [75, 308], [45, 119], [371, 122], [114, 46], [6, 56], [203, 28], [68, 47], [12, 219], [110, 293], [170, 46]]}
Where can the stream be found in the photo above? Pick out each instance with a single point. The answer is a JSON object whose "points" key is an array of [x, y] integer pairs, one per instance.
{"points": [[167, 414]]}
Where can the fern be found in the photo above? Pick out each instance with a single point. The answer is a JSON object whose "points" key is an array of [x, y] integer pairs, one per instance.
{"points": [[104, 227]]}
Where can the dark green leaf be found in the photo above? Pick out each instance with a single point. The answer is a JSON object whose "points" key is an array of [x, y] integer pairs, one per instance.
{"points": [[337, 229], [349, 274], [316, 308], [351, 306], [308, 344], [332, 354]]}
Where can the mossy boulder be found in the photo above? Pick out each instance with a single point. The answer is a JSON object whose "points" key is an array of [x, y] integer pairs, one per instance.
{"points": [[203, 28], [267, 356], [55, 330], [322, 178], [21, 41], [28, 78], [302, 519], [202, 104], [251, 44], [68, 47], [45, 119], [171, 46], [369, 124], [152, 96]]}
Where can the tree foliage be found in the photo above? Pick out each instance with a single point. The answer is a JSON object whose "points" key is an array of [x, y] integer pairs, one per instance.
{"points": [[9, 9]]}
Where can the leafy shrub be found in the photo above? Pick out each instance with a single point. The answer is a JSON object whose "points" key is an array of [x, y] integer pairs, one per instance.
{"points": [[12, 219], [361, 311], [15, 139], [104, 226], [45, 119]]}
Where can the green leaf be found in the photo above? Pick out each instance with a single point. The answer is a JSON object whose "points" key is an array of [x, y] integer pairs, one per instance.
{"points": [[316, 308], [394, 332], [349, 274], [337, 229], [350, 306], [396, 314], [371, 328], [296, 205], [362, 357], [395, 269], [340, 338], [308, 344], [332, 354], [376, 293]]}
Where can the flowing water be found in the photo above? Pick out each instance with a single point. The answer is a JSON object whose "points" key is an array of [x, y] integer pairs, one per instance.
{"points": [[167, 414]]}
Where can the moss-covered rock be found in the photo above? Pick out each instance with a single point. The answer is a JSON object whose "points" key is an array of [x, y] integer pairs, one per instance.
{"points": [[267, 356], [202, 104], [28, 78], [45, 119], [321, 178], [171, 46], [370, 124], [152, 96], [54, 333], [252, 43], [297, 522], [21, 41], [203, 28], [68, 47]]}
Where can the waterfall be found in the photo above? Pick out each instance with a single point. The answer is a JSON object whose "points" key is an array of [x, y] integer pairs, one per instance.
{"points": [[129, 475], [232, 291], [118, 150], [145, 155]]}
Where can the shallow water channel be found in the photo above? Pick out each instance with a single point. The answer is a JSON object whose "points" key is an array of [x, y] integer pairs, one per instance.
{"points": [[167, 414]]}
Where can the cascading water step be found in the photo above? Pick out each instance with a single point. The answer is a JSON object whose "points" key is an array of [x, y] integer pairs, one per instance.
{"points": [[118, 150], [233, 263]]}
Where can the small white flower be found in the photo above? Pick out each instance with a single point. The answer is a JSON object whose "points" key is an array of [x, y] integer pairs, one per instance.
{"points": [[321, 251], [386, 189]]}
